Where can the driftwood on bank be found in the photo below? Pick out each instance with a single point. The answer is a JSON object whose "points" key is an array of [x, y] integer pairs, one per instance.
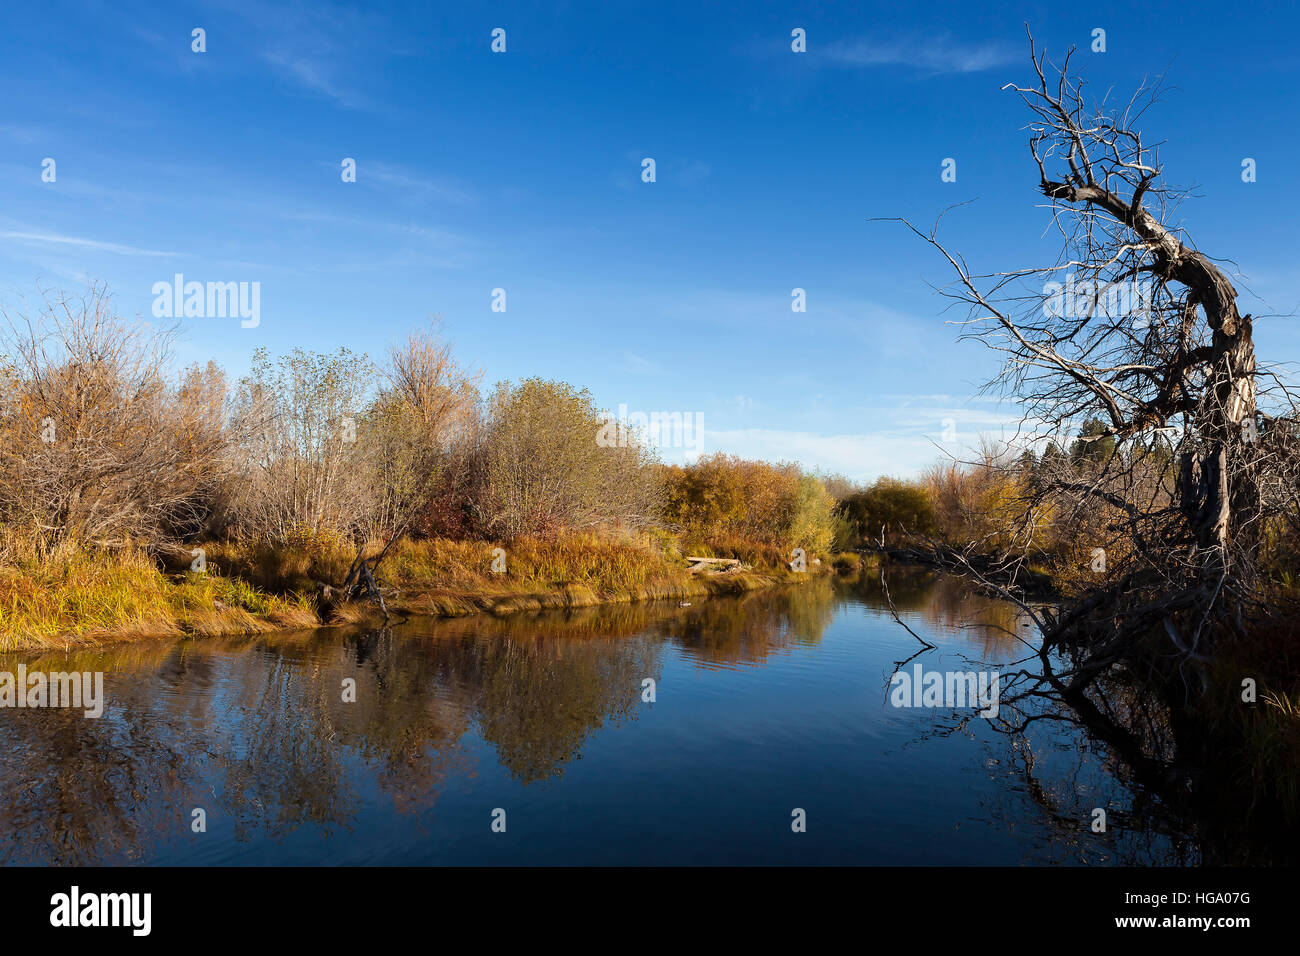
{"points": [[713, 564]]}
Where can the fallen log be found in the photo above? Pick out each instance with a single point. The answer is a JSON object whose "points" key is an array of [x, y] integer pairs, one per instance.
{"points": [[701, 564]]}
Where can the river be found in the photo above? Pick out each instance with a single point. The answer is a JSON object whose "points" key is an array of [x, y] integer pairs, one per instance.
{"points": [[530, 739]]}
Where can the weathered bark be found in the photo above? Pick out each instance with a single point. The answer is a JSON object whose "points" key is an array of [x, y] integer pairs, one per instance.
{"points": [[1176, 371], [1217, 493]]}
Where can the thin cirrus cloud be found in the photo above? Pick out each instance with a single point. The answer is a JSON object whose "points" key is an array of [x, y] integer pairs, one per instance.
{"points": [[930, 54], [22, 134], [413, 185], [113, 247], [859, 457], [438, 238], [906, 437], [640, 365], [321, 48], [313, 75]]}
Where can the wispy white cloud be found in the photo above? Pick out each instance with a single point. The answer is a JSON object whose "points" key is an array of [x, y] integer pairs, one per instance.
{"points": [[314, 75], [900, 435], [175, 50], [640, 365], [742, 404], [112, 247], [858, 456], [931, 54], [413, 186], [334, 50], [692, 171], [22, 134], [441, 237]]}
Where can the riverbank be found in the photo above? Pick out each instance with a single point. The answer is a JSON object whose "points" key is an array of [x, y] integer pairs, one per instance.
{"points": [[93, 598], [451, 714]]}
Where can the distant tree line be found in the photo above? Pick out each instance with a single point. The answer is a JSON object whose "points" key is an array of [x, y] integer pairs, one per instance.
{"points": [[102, 445]]}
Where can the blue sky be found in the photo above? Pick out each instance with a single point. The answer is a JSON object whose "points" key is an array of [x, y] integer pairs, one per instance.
{"points": [[522, 171]]}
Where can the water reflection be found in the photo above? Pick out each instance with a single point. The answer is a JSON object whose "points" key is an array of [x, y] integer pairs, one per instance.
{"points": [[450, 715]]}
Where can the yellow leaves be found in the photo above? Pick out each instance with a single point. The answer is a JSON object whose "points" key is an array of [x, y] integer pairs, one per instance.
{"points": [[724, 495]]}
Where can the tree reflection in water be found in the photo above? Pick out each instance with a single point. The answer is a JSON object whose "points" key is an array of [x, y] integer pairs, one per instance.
{"points": [[255, 730], [1066, 751]]}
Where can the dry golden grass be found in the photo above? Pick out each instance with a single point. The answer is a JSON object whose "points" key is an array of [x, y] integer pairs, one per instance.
{"points": [[604, 564], [85, 597], [455, 578], [88, 597]]}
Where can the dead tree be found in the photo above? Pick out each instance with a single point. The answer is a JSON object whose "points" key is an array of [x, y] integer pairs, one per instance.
{"points": [[1134, 326]]}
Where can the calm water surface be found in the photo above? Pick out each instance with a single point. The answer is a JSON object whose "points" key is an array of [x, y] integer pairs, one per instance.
{"points": [[764, 704]]}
